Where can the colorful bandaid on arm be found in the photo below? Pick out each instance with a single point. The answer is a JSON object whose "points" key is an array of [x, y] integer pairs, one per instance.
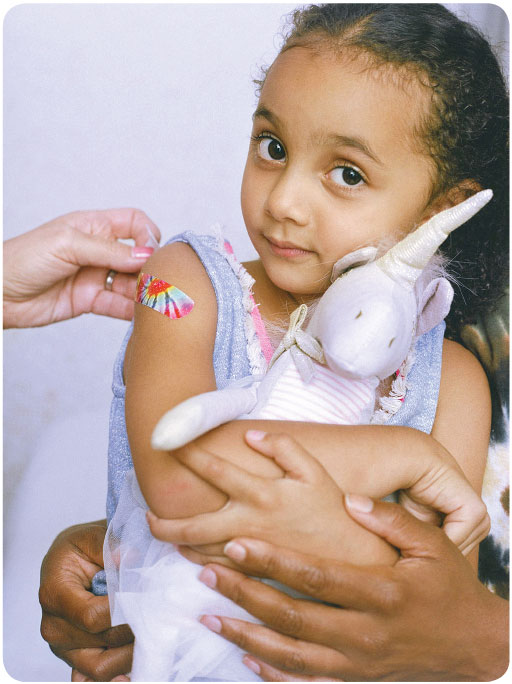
{"points": [[163, 297]]}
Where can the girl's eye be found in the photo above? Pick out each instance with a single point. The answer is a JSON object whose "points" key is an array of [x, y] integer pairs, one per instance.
{"points": [[346, 176], [271, 149]]}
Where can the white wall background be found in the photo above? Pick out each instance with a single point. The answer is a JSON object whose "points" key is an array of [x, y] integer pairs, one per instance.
{"points": [[109, 105]]}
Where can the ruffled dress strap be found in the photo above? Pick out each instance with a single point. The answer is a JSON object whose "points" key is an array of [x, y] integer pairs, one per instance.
{"points": [[418, 404]]}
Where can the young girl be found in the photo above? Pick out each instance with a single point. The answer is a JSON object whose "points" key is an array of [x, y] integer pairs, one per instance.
{"points": [[372, 119]]}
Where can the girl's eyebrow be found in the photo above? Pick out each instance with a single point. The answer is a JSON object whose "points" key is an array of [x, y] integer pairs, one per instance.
{"points": [[348, 141], [263, 112], [325, 139]]}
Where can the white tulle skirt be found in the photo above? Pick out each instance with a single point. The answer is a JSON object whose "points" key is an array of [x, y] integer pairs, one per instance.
{"points": [[155, 590]]}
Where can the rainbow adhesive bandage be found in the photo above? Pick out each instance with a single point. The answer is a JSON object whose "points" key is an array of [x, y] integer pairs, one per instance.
{"points": [[160, 296]]}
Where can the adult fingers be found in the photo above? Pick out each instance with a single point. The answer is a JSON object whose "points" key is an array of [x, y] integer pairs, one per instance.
{"points": [[114, 305], [283, 652], [94, 250], [82, 609], [287, 452], [136, 224], [124, 284], [101, 665], [202, 559], [397, 526], [124, 223], [216, 550], [356, 587], [299, 618], [61, 634], [273, 674]]}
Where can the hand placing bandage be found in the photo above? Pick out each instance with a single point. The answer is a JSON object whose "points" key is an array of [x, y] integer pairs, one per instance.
{"points": [[75, 264]]}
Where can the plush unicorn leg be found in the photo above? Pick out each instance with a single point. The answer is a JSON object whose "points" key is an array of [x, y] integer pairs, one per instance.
{"points": [[202, 413]]}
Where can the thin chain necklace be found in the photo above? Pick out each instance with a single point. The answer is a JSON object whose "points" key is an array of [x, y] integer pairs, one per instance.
{"points": [[291, 298]]}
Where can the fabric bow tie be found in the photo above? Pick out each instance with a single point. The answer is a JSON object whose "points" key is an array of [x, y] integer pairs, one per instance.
{"points": [[303, 347]]}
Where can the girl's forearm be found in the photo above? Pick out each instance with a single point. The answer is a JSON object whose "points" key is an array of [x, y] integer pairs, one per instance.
{"points": [[375, 460], [336, 536], [371, 460]]}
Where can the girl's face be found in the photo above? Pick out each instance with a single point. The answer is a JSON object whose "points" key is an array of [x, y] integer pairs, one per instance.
{"points": [[333, 165]]}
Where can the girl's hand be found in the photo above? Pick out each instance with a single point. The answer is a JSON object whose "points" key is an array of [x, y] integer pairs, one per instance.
{"points": [[59, 270], [428, 618], [301, 510]]}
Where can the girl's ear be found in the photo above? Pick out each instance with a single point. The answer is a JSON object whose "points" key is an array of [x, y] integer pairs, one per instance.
{"points": [[462, 191], [455, 195]]}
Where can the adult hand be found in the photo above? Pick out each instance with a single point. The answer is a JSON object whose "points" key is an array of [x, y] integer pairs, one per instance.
{"points": [[428, 618], [75, 622], [58, 271]]}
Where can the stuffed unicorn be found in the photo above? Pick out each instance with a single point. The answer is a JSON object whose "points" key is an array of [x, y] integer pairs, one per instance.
{"points": [[360, 333]]}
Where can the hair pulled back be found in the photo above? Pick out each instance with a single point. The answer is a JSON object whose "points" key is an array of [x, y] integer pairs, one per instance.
{"points": [[465, 132]]}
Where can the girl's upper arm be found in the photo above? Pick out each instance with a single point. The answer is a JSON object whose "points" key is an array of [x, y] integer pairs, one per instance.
{"points": [[463, 418], [167, 361]]}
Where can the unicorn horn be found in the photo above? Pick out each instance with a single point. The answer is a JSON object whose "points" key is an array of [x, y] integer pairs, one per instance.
{"points": [[406, 260]]}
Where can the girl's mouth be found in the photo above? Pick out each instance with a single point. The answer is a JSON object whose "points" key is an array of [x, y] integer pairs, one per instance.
{"points": [[287, 249]]}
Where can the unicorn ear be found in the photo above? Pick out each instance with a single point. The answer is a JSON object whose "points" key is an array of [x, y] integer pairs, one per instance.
{"points": [[357, 258], [434, 305]]}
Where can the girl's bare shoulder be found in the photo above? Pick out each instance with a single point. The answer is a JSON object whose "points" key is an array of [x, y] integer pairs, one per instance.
{"points": [[179, 265], [463, 416], [155, 336], [462, 372]]}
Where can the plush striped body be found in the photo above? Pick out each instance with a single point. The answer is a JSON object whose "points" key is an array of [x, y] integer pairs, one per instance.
{"points": [[327, 398]]}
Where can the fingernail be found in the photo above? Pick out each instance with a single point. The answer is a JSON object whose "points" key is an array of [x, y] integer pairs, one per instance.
{"points": [[142, 252], [251, 664], [213, 623], [208, 577], [360, 503], [235, 551], [255, 435]]}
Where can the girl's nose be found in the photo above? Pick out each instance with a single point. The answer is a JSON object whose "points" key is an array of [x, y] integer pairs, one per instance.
{"points": [[288, 199]]}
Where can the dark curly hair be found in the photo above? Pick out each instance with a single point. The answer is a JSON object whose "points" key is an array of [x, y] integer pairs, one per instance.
{"points": [[465, 132]]}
